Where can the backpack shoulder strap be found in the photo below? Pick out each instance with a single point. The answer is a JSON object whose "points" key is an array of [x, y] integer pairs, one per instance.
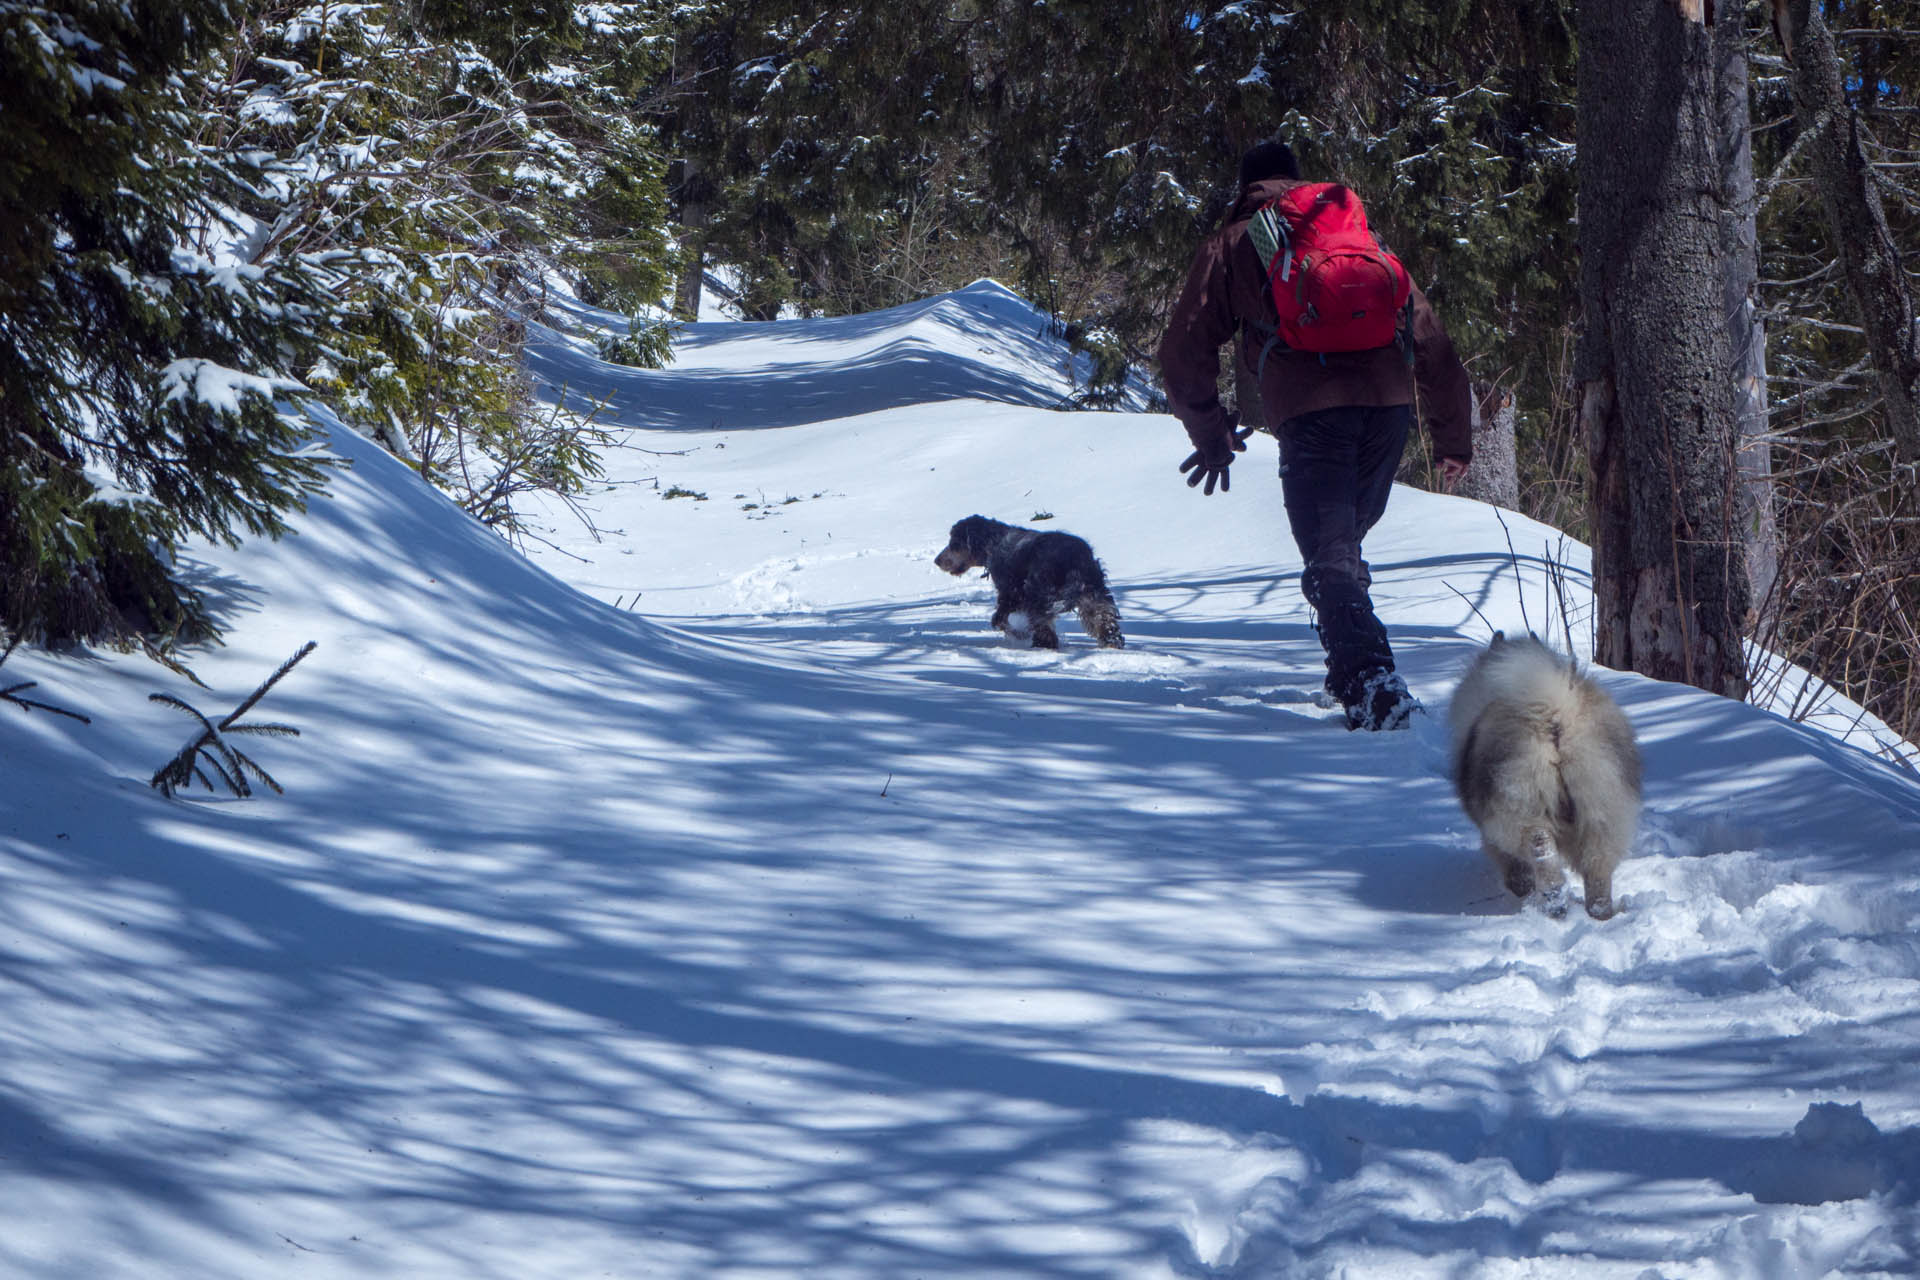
{"points": [[1266, 349]]}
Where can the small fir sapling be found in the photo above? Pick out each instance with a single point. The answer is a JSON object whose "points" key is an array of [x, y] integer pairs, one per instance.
{"points": [[226, 760]]}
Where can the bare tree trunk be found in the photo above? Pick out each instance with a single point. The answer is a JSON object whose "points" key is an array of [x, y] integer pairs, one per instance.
{"points": [[1740, 287], [693, 270], [1868, 255], [1495, 474], [1671, 591], [693, 220]]}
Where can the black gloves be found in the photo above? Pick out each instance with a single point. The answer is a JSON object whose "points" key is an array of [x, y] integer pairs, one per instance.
{"points": [[1210, 461]]}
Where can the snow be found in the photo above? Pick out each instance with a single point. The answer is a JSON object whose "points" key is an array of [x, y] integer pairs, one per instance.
{"points": [[786, 921], [225, 390], [268, 106]]}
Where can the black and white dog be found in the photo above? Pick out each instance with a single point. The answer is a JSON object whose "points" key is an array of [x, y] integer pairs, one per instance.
{"points": [[1038, 574]]}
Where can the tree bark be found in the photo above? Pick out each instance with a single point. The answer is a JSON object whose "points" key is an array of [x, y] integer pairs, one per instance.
{"points": [[693, 269], [1869, 258], [1740, 287], [693, 218], [1671, 591], [1494, 476]]}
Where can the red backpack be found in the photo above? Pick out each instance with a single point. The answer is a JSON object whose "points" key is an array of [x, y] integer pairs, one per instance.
{"points": [[1334, 286]]}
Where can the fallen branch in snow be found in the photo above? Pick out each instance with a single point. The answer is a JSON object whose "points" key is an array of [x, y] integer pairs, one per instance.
{"points": [[229, 762], [12, 692]]}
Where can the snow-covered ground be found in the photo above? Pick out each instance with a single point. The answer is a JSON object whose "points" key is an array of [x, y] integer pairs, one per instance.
{"points": [[719, 897]]}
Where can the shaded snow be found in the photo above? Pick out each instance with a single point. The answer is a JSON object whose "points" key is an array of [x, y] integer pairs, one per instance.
{"points": [[786, 921]]}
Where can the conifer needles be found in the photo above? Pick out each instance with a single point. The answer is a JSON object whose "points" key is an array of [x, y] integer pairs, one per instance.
{"points": [[211, 750]]}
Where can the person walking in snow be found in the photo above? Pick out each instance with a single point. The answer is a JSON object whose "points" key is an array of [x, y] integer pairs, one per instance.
{"points": [[1337, 384]]}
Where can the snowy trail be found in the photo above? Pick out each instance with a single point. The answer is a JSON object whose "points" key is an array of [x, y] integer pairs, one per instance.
{"points": [[793, 924]]}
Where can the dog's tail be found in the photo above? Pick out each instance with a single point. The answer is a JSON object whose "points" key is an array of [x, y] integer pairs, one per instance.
{"points": [[1101, 617]]}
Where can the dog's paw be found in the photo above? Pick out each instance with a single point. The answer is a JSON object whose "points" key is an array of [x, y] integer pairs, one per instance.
{"points": [[1519, 879]]}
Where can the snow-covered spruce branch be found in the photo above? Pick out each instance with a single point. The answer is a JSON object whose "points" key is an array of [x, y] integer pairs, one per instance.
{"points": [[210, 745], [436, 187]]}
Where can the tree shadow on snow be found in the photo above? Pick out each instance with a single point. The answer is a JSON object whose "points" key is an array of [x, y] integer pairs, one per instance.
{"points": [[614, 929]]}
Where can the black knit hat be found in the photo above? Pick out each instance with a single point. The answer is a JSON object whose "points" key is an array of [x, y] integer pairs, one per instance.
{"points": [[1268, 160]]}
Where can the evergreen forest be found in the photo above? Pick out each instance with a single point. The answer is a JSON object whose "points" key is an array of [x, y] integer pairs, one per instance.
{"points": [[219, 213]]}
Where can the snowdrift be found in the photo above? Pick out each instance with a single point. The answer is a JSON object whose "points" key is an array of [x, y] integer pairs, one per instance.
{"points": [[712, 893]]}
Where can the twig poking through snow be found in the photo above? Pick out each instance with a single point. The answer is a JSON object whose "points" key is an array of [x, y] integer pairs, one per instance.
{"points": [[12, 692], [1491, 629]]}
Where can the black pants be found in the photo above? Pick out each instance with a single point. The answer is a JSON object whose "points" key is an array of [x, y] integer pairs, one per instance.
{"points": [[1336, 470]]}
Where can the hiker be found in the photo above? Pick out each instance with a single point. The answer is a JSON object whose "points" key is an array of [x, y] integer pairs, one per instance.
{"points": [[1337, 389]]}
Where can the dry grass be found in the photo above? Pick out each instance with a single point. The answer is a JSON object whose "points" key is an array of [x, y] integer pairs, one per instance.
{"points": [[1848, 597]]}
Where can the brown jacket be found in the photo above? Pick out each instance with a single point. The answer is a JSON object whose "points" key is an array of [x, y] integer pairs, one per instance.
{"points": [[1227, 290]]}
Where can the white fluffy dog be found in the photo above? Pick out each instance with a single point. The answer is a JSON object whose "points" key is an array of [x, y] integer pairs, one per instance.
{"points": [[1546, 765]]}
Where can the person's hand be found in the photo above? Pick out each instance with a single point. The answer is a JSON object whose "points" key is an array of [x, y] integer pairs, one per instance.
{"points": [[1210, 461], [1451, 470]]}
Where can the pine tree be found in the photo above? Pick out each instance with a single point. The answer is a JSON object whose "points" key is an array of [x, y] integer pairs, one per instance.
{"points": [[435, 167], [821, 149], [1113, 134], [1086, 147], [143, 380], [1455, 120]]}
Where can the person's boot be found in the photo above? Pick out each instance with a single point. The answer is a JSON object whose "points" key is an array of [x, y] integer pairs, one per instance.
{"points": [[1383, 703]]}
